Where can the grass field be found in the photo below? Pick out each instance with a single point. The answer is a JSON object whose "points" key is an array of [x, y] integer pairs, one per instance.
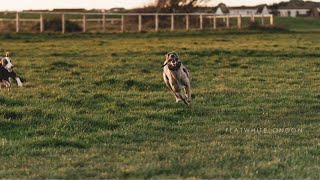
{"points": [[95, 106], [301, 24]]}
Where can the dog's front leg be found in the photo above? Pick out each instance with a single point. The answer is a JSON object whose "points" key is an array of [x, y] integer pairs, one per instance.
{"points": [[178, 98], [177, 90], [19, 81], [166, 80], [187, 88], [7, 83], [183, 99]]}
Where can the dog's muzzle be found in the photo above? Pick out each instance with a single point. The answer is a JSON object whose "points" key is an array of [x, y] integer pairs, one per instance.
{"points": [[175, 67], [9, 69]]}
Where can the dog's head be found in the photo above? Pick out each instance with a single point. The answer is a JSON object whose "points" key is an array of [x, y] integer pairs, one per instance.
{"points": [[7, 63], [172, 60]]}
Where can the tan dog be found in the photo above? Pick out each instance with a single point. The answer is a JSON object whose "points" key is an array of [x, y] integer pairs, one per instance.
{"points": [[176, 77]]}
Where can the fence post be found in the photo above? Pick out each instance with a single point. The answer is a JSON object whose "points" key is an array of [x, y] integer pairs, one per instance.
{"points": [[271, 20], [187, 22], [84, 23], [122, 23], [140, 23], [252, 18], [239, 22], [227, 22], [63, 24], [262, 20], [201, 22], [156, 26], [41, 23], [17, 22], [103, 22], [172, 22], [214, 22]]}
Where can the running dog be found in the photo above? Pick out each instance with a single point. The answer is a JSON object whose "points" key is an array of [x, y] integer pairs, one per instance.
{"points": [[6, 72], [176, 77]]}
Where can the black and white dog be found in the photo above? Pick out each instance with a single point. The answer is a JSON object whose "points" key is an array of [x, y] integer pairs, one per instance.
{"points": [[6, 72]]}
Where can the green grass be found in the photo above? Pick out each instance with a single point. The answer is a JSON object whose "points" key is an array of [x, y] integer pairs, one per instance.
{"points": [[300, 24], [95, 106]]}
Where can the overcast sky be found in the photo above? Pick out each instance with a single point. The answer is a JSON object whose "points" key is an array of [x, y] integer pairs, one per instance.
{"points": [[105, 4]]}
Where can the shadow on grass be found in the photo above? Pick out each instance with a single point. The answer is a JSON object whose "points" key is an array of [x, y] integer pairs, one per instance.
{"points": [[92, 125], [251, 53], [11, 102], [12, 115], [130, 84], [61, 65], [142, 86], [7, 125], [183, 170], [57, 143]]}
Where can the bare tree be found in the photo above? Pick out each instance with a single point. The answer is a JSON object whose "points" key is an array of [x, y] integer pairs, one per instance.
{"points": [[173, 5]]}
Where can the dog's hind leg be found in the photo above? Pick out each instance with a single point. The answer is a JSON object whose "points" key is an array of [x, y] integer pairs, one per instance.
{"points": [[187, 88], [188, 92]]}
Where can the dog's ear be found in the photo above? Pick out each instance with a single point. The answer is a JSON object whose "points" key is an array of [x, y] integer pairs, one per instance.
{"points": [[166, 55], [169, 54], [166, 60], [175, 54]]}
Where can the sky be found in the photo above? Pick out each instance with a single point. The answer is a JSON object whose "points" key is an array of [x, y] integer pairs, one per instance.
{"points": [[106, 4]]}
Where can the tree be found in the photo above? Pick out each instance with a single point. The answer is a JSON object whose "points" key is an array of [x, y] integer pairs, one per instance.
{"points": [[174, 5]]}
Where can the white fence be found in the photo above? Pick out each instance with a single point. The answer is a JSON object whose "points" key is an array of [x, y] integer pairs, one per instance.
{"points": [[102, 18]]}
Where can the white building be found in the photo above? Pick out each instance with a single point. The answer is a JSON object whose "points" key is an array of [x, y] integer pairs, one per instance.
{"points": [[296, 8], [222, 9], [243, 11], [294, 12]]}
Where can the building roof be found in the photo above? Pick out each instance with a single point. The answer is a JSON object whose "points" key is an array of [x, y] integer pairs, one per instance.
{"points": [[225, 9], [69, 10], [261, 7], [299, 4]]}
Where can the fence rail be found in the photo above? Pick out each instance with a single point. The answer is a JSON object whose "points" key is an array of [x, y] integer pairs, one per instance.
{"points": [[120, 20]]}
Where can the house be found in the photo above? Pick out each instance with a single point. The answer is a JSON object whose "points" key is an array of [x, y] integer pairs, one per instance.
{"points": [[222, 9], [250, 10], [296, 8], [69, 10], [114, 10], [315, 12], [242, 10]]}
